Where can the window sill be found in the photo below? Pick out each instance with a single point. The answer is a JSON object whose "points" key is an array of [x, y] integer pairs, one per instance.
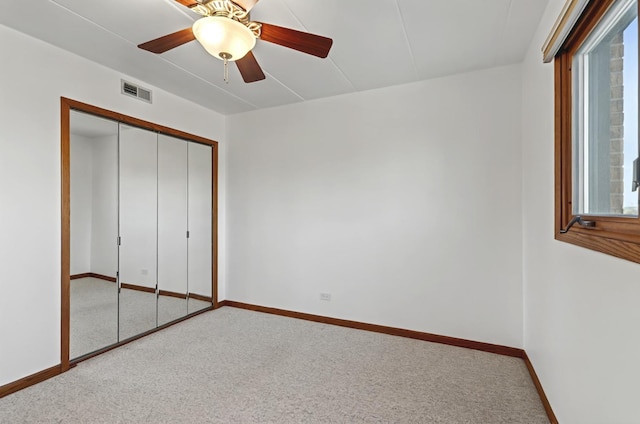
{"points": [[621, 245]]}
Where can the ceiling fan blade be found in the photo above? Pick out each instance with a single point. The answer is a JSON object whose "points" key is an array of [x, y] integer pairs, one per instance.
{"points": [[305, 42], [249, 68], [188, 3], [168, 42], [245, 4]]}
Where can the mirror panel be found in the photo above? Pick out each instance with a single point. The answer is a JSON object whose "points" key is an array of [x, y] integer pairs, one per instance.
{"points": [[200, 226], [93, 322], [172, 228], [138, 155]]}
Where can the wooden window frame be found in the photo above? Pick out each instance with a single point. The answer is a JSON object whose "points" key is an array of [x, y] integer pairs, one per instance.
{"points": [[613, 235]]}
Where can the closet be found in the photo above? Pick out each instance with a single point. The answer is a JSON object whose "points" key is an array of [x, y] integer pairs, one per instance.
{"points": [[141, 247]]}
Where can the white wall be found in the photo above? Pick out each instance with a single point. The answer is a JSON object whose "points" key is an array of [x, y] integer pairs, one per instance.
{"points": [[81, 204], [94, 212], [104, 251], [581, 307], [138, 167], [403, 203], [34, 76]]}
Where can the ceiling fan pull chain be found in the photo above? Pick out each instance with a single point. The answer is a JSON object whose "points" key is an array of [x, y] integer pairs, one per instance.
{"points": [[226, 70]]}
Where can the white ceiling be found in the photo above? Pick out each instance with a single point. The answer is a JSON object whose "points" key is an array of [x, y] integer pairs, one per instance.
{"points": [[376, 43]]}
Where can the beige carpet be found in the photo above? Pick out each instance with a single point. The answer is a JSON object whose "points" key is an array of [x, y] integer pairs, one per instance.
{"points": [[237, 366]]}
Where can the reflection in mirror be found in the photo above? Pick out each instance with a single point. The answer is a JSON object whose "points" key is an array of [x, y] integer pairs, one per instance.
{"points": [[93, 219], [200, 241], [138, 229], [172, 228]]}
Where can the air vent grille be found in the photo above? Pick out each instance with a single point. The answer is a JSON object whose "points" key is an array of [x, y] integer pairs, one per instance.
{"points": [[136, 91], [144, 94], [130, 89]]}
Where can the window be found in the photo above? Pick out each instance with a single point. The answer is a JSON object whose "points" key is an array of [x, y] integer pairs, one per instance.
{"points": [[597, 166]]}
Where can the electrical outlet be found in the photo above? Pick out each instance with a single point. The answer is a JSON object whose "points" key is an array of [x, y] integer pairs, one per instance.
{"points": [[325, 296], [144, 271]]}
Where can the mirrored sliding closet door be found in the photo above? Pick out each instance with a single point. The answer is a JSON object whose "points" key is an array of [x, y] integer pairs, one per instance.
{"points": [[172, 229], [93, 146], [141, 225], [200, 241], [138, 252]]}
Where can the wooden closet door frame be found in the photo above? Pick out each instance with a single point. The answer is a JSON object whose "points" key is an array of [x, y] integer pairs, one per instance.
{"points": [[66, 106]]}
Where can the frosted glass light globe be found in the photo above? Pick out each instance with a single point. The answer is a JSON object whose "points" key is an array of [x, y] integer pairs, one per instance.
{"points": [[222, 37]]}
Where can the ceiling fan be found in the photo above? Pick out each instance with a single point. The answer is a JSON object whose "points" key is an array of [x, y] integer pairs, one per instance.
{"points": [[226, 32]]}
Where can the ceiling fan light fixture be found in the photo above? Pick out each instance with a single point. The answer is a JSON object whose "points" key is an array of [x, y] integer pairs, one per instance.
{"points": [[224, 37]]}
